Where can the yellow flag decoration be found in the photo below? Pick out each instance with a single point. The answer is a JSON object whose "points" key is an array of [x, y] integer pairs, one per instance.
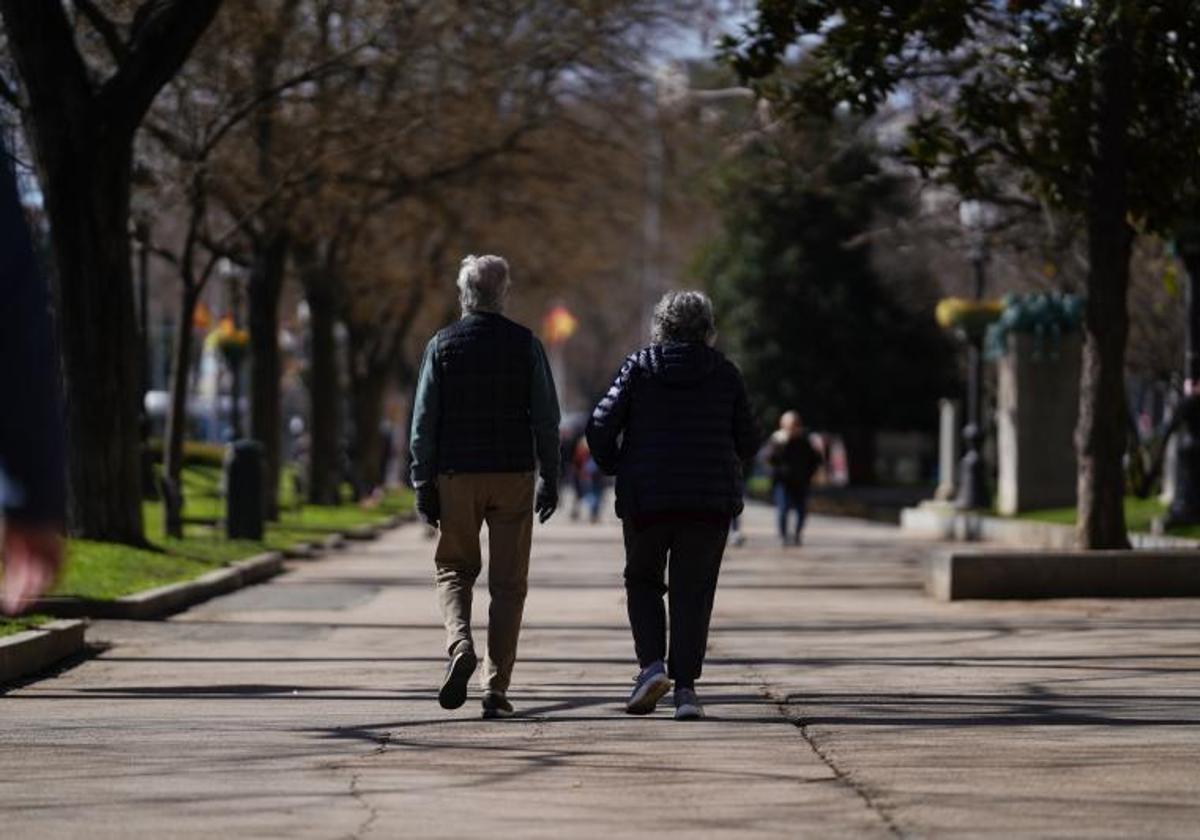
{"points": [[558, 325]]}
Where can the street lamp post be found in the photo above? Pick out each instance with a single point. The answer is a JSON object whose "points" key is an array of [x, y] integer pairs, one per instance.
{"points": [[141, 234], [1185, 506], [234, 360], [973, 494], [244, 497]]}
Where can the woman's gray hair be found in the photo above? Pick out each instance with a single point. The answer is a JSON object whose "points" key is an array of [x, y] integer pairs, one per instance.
{"points": [[683, 316], [483, 284]]}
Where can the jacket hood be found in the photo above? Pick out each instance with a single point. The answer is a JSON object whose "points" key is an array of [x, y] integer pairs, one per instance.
{"points": [[676, 363]]}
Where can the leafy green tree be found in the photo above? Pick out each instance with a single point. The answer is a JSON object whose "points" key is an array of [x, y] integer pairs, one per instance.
{"points": [[801, 307], [1093, 103]]}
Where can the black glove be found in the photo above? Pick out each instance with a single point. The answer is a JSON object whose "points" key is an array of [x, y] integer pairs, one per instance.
{"points": [[429, 506], [546, 499]]}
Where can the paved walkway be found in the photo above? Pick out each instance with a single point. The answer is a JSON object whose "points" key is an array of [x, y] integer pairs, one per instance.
{"points": [[842, 702]]}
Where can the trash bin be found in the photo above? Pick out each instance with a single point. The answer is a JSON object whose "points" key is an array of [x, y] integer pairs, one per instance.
{"points": [[244, 490]]}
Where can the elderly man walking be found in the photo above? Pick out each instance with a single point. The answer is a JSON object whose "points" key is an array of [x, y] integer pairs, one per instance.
{"points": [[485, 417], [674, 427]]}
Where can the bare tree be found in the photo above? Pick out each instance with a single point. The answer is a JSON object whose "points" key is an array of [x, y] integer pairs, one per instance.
{"points": [[81, 113]]}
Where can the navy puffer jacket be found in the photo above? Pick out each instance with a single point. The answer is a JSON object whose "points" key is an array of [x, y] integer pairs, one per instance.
{"points": [[674, 428]]}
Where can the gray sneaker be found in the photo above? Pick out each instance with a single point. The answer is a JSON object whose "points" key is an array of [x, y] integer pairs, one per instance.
{"points": [[652, 684], [687, 705]]}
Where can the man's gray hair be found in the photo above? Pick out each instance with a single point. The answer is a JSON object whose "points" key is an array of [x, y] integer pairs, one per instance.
{"points": [[683, 316], [483, 283]]}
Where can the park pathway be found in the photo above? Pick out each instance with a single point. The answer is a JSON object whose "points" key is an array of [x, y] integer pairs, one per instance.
{"points": [[843, 703]]}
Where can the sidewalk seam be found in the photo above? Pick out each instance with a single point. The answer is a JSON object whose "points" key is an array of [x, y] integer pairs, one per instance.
{"points": [[840, 775], [358, 796], [844, 777]]}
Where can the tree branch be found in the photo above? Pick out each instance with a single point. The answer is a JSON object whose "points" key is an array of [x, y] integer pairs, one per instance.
{"points": [[9, 94], [51, 68], [263, 97], [105, 28], [163, 35]]}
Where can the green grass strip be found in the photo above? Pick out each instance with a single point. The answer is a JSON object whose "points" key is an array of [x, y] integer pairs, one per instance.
{"points": [[10, 626]]}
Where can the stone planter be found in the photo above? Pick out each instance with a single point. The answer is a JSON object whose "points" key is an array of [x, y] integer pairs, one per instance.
{"points": [[1037, 409]]}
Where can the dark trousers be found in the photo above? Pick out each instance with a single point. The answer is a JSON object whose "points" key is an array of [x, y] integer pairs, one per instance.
{"points": [[787, 501], [693, 550]]}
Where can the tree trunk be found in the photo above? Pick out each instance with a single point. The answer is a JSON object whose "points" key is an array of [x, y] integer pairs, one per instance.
{"points": [[266, 421], [87, 199], [860, 455], [323, 478], [177, 417], [83, 141], [367, 392], [323, 387], [1100, 438]]}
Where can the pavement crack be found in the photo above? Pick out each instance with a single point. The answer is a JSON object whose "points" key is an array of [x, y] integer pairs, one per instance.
{"points": [[356, 793], [844, 777], [372, 815], [841, 775]]}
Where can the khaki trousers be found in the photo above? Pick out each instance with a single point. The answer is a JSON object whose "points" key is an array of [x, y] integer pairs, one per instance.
{"points": [[505, 502]]}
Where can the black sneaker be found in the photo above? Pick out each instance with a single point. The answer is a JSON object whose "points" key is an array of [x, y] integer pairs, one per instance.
{"points": [[496, 705], [458, 674]]}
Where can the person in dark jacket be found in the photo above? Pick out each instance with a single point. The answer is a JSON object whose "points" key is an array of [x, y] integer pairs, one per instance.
{"points": [[793, 461], [674, 428], [484, 417], [32, 459]]}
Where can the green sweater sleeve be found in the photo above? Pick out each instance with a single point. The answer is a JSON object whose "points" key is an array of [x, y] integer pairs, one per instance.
{"points": [[423, 438]]}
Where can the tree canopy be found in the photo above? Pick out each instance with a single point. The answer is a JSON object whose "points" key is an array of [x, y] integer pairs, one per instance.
{"points": [[802, 307], [1093, 105]]}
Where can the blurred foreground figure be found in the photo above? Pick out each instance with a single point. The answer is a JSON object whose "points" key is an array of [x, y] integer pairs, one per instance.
{"points": [[793, 461], [674, 427], [485, 415], [32, 471]]}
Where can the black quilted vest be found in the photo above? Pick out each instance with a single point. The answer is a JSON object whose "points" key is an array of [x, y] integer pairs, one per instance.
{"points": [[485, 367]]}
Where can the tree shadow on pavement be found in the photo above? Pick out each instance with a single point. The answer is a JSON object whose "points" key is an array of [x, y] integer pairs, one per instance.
{"points": [[1034, 707]]}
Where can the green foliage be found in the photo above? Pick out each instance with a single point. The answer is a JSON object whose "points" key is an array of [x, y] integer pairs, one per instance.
{"points": [[1139, 514], [1009, 86], [110, 570], [1047, 317], [195, 453], [9, 626], [800, 306]]}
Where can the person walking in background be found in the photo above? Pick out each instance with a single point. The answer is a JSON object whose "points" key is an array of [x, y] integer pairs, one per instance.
{"points": [[793, 461], [674, 428], [32, 439], [485, 415], [589, 480]]}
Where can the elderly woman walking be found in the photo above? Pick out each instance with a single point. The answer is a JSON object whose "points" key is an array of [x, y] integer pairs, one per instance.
{"points": [[674, 428]]}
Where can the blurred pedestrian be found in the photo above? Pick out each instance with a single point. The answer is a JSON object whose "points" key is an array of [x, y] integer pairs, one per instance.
{"points": [[674, 428], [32, 460], [589, 481], [485, 416], [570, 436], [736, 538], [793, 461]]}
